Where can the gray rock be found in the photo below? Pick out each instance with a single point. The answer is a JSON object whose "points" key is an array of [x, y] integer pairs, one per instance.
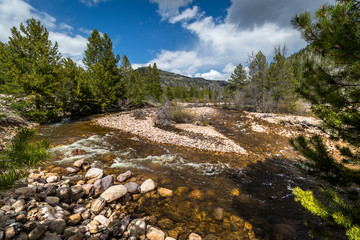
{"points": [[26, 191], [37, 232], [132, 187], [12, 230], [57, 226], [52, 200], [52, 236], [147, 186], [64, 193], [19, 205], [154, 233], [50, 189], [88, 189], [114, 193], [119, 228], [72, 232], [98, 205], [79, 209], [29, 226], [137, 227], [124, 176], [71, 170], [94, 173], [102, 184], [77, 192], [170, 238]]}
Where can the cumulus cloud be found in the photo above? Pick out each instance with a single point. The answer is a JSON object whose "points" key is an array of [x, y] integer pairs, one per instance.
{"points": [[170, 8], [249, 26], [248, 14], [212, 75], [187, 14], [14, 12]]}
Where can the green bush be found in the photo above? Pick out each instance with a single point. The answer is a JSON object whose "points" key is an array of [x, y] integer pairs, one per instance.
{"points": [[20, 155]]}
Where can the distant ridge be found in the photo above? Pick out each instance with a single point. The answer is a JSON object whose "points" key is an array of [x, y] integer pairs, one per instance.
{"points": [[174, 79]]}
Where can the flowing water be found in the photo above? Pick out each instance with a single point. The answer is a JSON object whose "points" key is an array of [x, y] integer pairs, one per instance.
{"points": [[254, 190]]}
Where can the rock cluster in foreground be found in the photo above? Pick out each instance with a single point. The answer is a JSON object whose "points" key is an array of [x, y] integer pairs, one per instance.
{"points": [[92, 208]]}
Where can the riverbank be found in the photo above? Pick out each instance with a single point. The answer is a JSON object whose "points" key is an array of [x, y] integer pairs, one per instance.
{"points": [[87, 204], [10, 123], [189, 135]]}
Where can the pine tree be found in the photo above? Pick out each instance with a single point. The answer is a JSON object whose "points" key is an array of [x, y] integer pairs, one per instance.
{"points": [[281, 82], [258, 68], [135, 90], [103, 75], [153, 84], [30, 67], [237, 78], [335, 94]]}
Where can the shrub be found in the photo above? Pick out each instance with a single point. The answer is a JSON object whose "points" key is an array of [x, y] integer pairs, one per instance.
{"points": [[140, 115], [168, 115], [20, 155]]}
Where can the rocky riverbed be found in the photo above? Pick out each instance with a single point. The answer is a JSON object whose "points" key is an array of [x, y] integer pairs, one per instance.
{"points": [[194, 136], [93, 206]]}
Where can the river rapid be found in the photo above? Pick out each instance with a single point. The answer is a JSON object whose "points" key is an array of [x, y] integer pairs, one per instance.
{"points": [[253, 190]]}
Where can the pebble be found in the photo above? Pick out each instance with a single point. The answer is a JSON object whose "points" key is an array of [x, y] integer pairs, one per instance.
{"points": [[164, 192], [194, 236], [124, 176], [154, 233]]}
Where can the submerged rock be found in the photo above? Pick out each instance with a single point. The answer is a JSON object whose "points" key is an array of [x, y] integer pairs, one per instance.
{"points": [[124, 176], [147, 186], [154, 233], [94, 173]]}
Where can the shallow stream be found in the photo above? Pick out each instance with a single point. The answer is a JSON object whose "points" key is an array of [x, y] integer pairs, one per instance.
{"points": [[254, 190]]}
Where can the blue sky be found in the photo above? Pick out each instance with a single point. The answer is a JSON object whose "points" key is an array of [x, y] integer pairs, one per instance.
{"points": [[205, 38]]}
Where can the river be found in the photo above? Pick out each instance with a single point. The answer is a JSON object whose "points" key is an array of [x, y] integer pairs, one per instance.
{"points": [[254, 190]]}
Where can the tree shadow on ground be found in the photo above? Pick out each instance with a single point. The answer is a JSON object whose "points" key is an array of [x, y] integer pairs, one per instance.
{"points": [[266, 199]]}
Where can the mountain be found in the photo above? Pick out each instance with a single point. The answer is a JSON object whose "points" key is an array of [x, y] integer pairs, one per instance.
{"points": [[173, 79]]}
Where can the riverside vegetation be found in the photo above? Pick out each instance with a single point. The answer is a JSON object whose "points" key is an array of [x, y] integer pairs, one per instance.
{"points": [[48, 87]]}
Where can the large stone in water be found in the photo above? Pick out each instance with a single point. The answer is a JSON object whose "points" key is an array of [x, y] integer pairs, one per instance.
{"points": [[94, 173], [194, 236], [147, 186], [132, 187], [124, 176], [37, 233], [113, 193], [164, 192], [57, 226], [102, 184], [154, 233]]}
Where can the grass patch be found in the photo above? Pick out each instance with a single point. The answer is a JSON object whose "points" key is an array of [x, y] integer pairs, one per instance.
{"points": [[21, 154]]}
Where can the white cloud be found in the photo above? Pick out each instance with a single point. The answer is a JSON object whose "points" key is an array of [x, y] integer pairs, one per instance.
{"points": [[72, 47], [66, 27], [170, 8], [90, 3], [86, 31], [222, 44], [187, 14], [229, 68], [212, 75], [14, 12]]}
